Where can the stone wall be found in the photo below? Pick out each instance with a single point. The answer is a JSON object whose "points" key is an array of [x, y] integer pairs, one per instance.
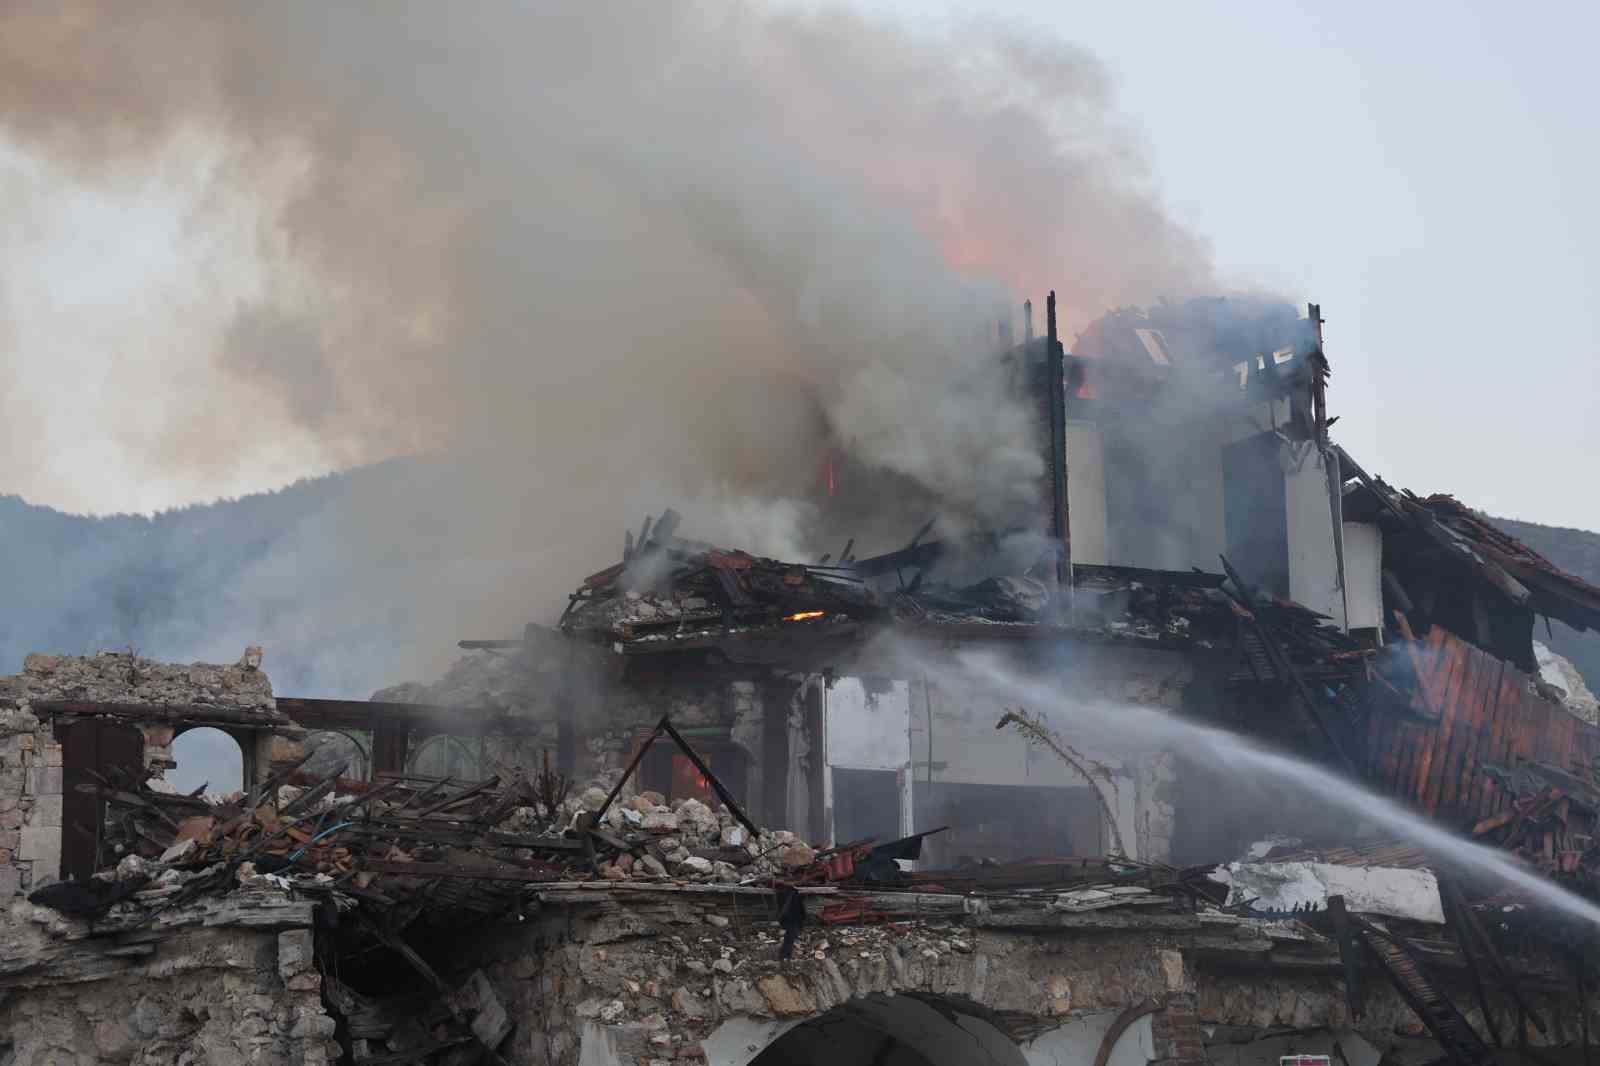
{"points": [[224, 995], [630, 975], [30, 801], [609, 713], [31, 785], [634, 976], [652, 981]]}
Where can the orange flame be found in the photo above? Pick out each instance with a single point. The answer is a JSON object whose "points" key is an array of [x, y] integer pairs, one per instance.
{"points": [[803, 616]]}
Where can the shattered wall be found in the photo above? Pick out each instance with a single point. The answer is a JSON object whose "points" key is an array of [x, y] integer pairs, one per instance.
{"points": [[33, 792], [217, 990]]}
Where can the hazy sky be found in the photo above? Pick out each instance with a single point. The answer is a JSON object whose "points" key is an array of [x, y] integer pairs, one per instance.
{"points": [[1425, 171], [1429, 173]]}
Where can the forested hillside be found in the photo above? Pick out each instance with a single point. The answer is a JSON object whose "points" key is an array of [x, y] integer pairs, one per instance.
{"points": [[300, 571]]}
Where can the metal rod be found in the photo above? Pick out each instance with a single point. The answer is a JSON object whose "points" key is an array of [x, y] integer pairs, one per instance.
{"points": [[726, 796], [638, 757]]}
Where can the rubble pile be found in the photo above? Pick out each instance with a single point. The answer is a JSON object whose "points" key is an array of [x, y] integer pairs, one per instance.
{"points": [[1553, 822], [398, 845], [667, 586]]}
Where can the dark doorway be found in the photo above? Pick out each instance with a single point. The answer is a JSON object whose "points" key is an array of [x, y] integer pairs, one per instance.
{"points": [[866, 803], [104, 749], [667, 770]]}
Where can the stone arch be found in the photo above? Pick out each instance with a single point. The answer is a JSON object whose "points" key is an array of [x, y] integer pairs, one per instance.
{"points": [[211, 756], [907, 1029]]}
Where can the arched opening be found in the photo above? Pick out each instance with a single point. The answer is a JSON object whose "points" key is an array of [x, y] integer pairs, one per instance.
{"points": [[333, 748], [442, 755], [209, 757], [905, 1030]]}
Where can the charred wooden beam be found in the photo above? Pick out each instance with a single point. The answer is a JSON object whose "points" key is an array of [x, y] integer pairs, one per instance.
{"points": [[665, 727], [1056, 378], [375, 714], [1286, 669], [451, 801], [1454, 906], [716, 784], [316, 792], [171, 713], [476, 873]]}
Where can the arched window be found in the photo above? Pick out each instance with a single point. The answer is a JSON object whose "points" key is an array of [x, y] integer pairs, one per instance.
{"points": [[209, 757], [441, 755], [333, 748]]}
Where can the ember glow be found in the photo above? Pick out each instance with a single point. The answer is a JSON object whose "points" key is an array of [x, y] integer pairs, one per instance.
{"points": [[803, 616]]}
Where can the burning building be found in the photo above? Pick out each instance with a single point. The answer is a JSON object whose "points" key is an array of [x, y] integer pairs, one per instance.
{"points": [[1009, 786]]}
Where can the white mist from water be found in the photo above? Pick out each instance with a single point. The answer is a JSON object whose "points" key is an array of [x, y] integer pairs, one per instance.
{"points": [[1142, 726]]}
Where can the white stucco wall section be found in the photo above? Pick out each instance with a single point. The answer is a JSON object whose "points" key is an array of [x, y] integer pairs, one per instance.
{"points": [[1363, 574], [1086, 492], [1313, 555], [863, 731], [868, 734]]}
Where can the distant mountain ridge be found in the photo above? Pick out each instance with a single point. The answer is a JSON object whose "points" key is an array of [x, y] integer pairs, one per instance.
{"points": [[287, 569]]}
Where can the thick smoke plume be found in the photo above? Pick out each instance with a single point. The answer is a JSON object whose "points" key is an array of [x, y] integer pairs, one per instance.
{"points": [[605, 255]]}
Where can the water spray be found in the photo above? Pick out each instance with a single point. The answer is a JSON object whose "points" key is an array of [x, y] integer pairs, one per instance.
{"points": [[1145, 725]]}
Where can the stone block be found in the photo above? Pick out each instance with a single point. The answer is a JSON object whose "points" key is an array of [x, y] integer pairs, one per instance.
{"points": [[50, 755], [45, 781], [783, 998], [46, 811], [10, 881], [297, 960], [41, 845]]}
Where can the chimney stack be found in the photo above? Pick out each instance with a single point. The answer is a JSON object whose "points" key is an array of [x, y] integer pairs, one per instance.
{"points": [[1027, 321]]}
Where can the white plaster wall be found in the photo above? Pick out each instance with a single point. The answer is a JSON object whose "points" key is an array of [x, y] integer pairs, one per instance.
{"points": [[1086, 492], [1077, 1041], [1363, 574], [867, 735], [1208, 536], [1313, 559], [976, 753]]}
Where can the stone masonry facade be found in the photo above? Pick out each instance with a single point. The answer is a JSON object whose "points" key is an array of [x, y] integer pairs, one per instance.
{"points": [[31, 785]]}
